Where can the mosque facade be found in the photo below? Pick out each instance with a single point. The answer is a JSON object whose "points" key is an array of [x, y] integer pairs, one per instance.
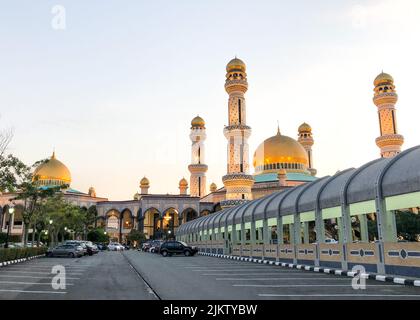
{"points": [[280, 163]]}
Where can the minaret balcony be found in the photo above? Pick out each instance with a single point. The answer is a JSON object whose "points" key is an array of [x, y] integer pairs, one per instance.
{"points": [[389, 140], [237, 130], [198, 168], [385, 98]]}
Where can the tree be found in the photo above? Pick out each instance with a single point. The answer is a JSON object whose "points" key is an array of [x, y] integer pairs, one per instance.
{"points": [[6, 136], [98, 235], [136, 236]]}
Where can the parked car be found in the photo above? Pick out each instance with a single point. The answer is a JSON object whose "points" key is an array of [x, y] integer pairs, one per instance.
{"points": [[91, 247], [115, 246], [79, 243], [155, 246], [169, 248], [329, 240], [146, 245], [102, 246], [66, 250]]}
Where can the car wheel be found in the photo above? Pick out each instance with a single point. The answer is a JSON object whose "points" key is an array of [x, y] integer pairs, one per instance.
{"points": [[71, 255], [165, 253], [187, 253]]}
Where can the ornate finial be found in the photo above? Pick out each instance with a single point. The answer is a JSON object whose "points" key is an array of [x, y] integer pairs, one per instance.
{"points": [[53, 155], [278, 128]]}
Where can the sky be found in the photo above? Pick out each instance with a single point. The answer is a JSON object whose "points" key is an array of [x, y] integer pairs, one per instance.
{"points": [[113, 85]]}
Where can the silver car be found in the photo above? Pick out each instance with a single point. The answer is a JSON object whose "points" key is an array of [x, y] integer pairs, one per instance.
{"points": [[66, 250]]}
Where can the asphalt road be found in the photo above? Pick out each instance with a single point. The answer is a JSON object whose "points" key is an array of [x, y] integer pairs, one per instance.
{"points": [[106, 275], [147, 276], [202, 277]]}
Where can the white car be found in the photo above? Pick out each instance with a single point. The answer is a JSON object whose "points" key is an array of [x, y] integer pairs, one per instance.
{"points": [[329, 240], [115, 246]]}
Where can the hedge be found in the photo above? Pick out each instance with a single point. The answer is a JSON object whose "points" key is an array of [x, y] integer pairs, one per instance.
{"points": [[20, 253]]}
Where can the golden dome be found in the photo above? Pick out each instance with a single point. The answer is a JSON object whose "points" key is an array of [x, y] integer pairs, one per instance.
{"points": [[282, 172], [52, 173], [183, 183], [304, 127], [198, 122], [213, 187], [92, 192], [144, 182], [280, 152], [383, 78], [136, 196], [236, 65]]}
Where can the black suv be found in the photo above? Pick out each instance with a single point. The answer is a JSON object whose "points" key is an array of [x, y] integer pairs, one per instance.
{"points": [[168, 248]]}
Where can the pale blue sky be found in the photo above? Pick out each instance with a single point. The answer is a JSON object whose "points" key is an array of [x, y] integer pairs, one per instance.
{"points": [[115, 91]]}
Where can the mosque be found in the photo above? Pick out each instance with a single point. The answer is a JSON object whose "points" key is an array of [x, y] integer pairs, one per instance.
{"points": [[280, 163]]}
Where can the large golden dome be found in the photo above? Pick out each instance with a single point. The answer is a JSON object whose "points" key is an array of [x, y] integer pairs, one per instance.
{"points": [[280, 152], [236, 65], [383, 78], [52, 173]]}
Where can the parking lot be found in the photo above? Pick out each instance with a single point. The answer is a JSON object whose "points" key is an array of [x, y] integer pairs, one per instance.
{"points": [[202, 277], [148, 276], [105, 275]]}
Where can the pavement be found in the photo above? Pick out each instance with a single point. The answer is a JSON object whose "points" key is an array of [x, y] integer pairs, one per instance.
{"points": [[106, 275], [202, 277], [146, 276]]}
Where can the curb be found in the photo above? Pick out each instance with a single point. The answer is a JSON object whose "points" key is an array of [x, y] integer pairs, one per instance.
{"points": [[6, 263], [383, 278]]}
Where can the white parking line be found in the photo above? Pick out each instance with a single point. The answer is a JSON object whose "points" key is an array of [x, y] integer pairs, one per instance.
{"points": [[339, 295], [24, 268], [34, 277], [37, 272], [281, 279], [30, 291], [254, 274], [32, 283], [249, 269], [307, 285]]}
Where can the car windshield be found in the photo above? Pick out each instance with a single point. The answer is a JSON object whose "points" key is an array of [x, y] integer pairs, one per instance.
{"points": [[183, 243]]}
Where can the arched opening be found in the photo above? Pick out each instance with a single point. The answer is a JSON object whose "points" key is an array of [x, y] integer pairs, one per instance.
{"points": [[170, 223], [101, 222], [204, 213], [113, 224], [152, 223], [189, 215]]}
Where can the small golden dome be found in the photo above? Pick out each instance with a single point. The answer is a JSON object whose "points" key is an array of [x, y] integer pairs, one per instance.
{"points": [[183, 183], [198, 122], [144, 182], [282, 172], [236, 65], [136, 196], [304, 127], [213, 187], [92, 192], [383, 78], [52, 173], [279, 151]]}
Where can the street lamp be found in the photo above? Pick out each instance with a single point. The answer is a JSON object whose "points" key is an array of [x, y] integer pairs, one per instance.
{"points": [[11, 212], [51, 222]]}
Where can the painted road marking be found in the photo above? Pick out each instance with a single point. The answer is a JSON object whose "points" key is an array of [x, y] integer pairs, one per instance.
{"points": [[34, 277], [254, 274], [307, 285], [37, 272], [339, 295], [32, 283], [31, 291], [284, 278]]}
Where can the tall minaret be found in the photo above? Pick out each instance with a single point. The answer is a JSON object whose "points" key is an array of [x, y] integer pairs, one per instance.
{"points": [[385, 97], [307, 141], [238, 182], [197, 167]]}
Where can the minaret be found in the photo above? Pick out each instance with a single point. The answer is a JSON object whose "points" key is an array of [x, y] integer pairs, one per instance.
{"points": [[144, 186], [238, 182], [197, 167], [183, 186], [385, 97], [92, 192], [307, 141]]}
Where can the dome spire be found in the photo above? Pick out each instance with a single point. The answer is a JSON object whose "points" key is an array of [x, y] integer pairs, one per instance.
{"points": [[278, 128]]}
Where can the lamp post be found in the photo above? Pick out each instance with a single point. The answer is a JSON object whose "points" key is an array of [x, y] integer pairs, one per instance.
{"points": [[49, 231], [11, 212]]}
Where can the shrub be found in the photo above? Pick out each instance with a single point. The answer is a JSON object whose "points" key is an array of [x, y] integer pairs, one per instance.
{"points": [[19, 253]]}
